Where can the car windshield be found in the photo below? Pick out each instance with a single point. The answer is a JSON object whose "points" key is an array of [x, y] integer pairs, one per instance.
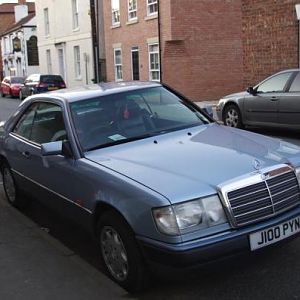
{"points": [[123, 117], [17, 79]]}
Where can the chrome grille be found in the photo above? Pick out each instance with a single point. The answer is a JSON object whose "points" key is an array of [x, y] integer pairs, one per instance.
{"points": [[275, 194]]}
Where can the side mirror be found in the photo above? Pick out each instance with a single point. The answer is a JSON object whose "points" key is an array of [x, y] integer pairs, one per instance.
{"points": [[251, 90], [52, 148]]}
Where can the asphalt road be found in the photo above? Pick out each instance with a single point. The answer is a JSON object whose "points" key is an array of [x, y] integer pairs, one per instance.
{"points": [[273, 273]]}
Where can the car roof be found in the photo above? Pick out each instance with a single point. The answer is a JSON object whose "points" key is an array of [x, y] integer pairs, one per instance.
{"points": [[95, 90]]}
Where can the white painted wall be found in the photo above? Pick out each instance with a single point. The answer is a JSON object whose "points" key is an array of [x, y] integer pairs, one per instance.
{"points": [[62, 35], [24, 35]]}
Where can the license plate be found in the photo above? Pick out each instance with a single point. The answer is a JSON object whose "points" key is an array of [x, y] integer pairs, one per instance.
{"points": [[51, 88], [274, 234]]}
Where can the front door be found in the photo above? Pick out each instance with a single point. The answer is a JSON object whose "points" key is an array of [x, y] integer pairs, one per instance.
{"points": [[262, 108], [62, 62], [135, 63]]}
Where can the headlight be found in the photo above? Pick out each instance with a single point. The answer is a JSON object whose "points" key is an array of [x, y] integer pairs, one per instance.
{"points": [[188, 216]]}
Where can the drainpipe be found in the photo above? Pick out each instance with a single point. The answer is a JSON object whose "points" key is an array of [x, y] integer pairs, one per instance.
{"points": [[159, 41], [297, 7], [95, 42]]}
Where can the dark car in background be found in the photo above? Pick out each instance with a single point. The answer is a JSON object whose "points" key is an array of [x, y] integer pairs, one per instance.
{"points": [[273, 102], [39, 83], [11, 85]]}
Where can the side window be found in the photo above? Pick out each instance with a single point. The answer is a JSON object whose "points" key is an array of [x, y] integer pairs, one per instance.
{"points": [[275, 84], [295, 87], [24, 125], [48, 125], [42, 123]]}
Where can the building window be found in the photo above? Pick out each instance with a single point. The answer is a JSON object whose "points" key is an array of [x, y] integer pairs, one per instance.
{"points": [[115, 12], [118, 64], [75, 14], [49, 61], [132, 9], [6, 45], [77, 62], [154, 70], [152, 7], [46, 20]]}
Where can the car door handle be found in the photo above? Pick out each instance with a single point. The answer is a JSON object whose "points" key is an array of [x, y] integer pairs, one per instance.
{"points": [[26, 154], [274, 98]]}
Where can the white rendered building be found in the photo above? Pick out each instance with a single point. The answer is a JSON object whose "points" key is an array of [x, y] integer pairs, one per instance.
{"points": [[19, 45], [65, 40]]}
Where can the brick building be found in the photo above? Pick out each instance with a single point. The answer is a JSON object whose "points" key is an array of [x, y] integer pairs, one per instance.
{"points": [[7, 19], [208, 48], [270, 38], [131, 31]]}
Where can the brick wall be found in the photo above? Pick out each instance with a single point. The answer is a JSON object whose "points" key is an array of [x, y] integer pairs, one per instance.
{"points": [[202, 56], [128, 35], [270, 38]]}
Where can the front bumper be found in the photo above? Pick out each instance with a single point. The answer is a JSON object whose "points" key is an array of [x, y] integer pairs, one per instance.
{"points": [[201, 251]]}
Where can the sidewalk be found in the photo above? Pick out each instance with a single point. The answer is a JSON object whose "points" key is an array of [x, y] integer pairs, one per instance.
{"points": [[33, 265]]}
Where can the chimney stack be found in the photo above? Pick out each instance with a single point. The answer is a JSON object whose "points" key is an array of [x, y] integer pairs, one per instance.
{"points": [[21, 11]]}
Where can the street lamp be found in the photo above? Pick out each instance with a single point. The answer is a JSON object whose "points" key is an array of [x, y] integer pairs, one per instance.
{"points": [[297, 7]]}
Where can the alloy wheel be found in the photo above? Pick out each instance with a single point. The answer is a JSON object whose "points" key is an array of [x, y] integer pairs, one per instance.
{"points": [[232, 117], [114, 253]]}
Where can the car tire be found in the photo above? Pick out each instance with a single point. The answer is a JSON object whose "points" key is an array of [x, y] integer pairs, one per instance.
{"points": [[232, 116], [12, 192], [120, 252], [21, 95], [2, 94]]}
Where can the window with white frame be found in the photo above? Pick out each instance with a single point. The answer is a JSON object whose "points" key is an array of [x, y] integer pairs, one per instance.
{"points": [[118, 64], [152, 7], [75, 14], [115, 12], [132, 10], [49, 61], [77, 62], [6, 45], [46, 21], [154, 65]]}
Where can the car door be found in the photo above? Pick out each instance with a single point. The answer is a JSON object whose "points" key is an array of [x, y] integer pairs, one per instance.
{"points": [[262, 106], [55, 180], [289, 105], [39, 124]]}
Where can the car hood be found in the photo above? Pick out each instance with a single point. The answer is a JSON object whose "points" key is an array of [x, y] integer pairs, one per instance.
{"points": [[191, 163], [236, 95]]}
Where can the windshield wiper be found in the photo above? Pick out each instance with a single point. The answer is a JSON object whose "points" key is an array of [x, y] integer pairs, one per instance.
{"points": [[123, 141]]}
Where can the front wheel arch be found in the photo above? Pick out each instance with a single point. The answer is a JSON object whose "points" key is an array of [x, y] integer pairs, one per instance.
{"points": [[102, 208], [227, 107]]}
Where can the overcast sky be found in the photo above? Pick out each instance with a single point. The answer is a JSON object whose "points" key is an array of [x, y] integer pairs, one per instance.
{"points": [[12, 1]]}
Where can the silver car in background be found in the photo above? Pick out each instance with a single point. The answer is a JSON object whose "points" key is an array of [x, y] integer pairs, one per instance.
{"points": [[273, 102]]}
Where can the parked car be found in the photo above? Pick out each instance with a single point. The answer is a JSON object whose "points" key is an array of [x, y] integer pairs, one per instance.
{"points": [[273, 102], [39, 83], [151, 176], [11, 86]]}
